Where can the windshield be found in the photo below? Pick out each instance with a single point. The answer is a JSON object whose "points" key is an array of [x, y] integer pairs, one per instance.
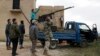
{"points": [[84, 27]]}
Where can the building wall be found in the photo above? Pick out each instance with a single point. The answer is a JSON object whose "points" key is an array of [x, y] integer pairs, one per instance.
{"points": [[5, 13], [58, 15]]}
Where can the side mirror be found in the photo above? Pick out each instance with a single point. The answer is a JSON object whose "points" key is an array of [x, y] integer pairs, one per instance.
{"points": [[94, 28]]}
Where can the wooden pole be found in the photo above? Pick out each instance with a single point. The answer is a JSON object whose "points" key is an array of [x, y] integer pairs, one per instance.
{"points": [[25, 16]]}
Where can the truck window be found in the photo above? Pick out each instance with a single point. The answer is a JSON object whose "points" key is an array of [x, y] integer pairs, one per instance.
{"points": [[83, 27], [70, 27]]}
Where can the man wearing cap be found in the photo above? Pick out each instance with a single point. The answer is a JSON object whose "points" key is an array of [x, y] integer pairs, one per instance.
{"points": [[33, 31]]}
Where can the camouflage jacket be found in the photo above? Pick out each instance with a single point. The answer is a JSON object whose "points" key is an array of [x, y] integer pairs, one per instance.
{"points": [[47, 30], [14, 31]]}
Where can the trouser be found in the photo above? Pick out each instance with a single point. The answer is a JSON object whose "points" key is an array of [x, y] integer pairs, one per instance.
{"points": [[61, 23], [21, 39], [8, 42], [14, 45], [33, 46], [46, 47]]}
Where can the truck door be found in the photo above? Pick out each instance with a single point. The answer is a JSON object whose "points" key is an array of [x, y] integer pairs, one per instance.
{"points": [[85, 32]]}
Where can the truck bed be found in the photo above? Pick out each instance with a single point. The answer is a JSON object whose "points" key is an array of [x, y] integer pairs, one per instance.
{"points": [[60, 35]]}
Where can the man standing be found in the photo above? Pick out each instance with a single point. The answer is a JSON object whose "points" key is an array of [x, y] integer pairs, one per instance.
{"points": [[48, 35], [8, 42], [33, 31], [22, 32], [33, 14], [14, 34], [61, 21]]}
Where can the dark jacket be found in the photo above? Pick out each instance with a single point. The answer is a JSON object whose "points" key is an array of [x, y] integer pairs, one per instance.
{"points": [[7, 28], [22, 29]]}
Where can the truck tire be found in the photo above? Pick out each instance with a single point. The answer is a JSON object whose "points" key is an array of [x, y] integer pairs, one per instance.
{"points": [[53, 44], [84, 43], [72, 44]]}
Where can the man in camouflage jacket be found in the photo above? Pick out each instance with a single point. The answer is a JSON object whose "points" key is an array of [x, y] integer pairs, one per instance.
{"points": [[48, 35], [14, 34]]}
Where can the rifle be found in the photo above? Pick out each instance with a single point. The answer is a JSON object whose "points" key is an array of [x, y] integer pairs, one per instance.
{"points": [[43, 17]]}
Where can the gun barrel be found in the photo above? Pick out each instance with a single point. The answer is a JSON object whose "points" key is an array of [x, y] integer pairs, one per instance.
{"points": [[43, 17], [62, 9]]}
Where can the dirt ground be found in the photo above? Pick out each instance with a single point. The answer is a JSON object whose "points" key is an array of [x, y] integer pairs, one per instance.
{"points": [[91, 50]]}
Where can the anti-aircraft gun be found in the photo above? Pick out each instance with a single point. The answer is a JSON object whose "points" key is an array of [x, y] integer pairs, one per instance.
{"points": [[43, 17]]}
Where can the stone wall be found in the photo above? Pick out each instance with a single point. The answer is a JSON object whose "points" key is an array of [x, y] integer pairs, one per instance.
{"points": [[5, 13]]}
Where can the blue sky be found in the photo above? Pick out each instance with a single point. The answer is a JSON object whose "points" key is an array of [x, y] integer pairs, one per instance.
{"points": [[86, 11]]}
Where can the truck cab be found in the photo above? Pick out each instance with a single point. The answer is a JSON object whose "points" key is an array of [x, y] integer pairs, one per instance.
{"points": [[82, 32]]}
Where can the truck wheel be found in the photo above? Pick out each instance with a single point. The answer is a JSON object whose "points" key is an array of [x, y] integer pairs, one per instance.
{"points": [[84, 43], [72, 44], [53, 45]]}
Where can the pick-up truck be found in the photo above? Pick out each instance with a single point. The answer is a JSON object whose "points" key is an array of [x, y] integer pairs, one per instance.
{"points": [[75, 33]]}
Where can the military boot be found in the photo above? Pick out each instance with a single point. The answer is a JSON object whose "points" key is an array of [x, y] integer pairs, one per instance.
{"points": [[33, 54], [9, 48], [46, 53]]}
